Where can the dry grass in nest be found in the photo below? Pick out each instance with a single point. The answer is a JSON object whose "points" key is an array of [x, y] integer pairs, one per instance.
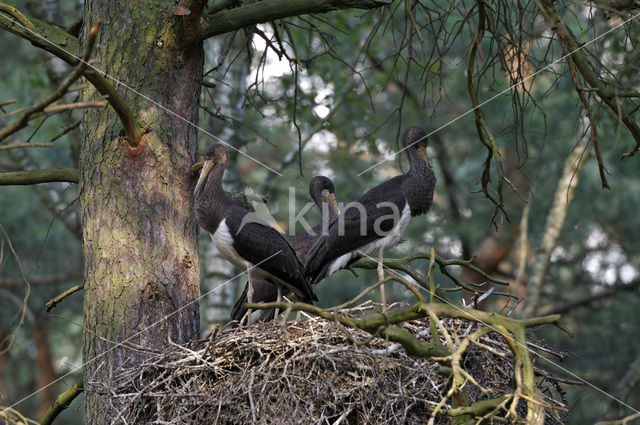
{"points": [[313, 373]]}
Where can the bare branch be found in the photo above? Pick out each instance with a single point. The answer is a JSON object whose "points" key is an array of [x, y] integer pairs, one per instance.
{"points": [[64, 45], [588, 299], [40, 107], [57, 299], [7, 102], [571, 46]]}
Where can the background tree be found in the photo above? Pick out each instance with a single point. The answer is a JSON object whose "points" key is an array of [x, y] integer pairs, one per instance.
{"points": [[323, 94]]}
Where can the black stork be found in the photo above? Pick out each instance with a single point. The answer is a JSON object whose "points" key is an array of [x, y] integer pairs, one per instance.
{"points": [[322, 191], [378, 219], [242, 238]]}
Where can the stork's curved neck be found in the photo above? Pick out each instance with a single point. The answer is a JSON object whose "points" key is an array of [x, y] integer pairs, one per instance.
{"points": [[211, 202], [417, 165], [419, 184]]}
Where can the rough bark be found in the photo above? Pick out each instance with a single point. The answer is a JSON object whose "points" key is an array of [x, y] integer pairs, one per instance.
{"points": [[139, 234]]}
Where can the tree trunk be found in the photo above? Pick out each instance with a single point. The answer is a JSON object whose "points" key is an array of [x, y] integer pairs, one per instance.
{"points": [[139, 232]]}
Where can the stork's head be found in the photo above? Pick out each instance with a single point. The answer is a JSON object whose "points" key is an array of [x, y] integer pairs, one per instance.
{"points": [[214, 155], [415, 138]]}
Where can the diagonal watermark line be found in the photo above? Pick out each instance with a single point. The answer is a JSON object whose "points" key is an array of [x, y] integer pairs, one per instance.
{"points": [[496, 330], [389, 158], [147, 98], [121, 344]]}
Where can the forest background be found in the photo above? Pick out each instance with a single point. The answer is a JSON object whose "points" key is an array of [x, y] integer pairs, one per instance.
{"points": [[342, 87]]}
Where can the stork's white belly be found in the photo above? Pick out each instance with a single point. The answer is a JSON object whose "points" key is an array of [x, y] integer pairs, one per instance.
{"points": [[390, 239], [224, 242]]}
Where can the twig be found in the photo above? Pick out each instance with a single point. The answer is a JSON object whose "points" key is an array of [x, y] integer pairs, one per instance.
{"points": [[54, 109], [55, 300], [8, 339], [483, 130], [623, 421], [40, 280], [7, 102]]}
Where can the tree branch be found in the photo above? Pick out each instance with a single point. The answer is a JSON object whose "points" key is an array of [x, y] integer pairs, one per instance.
{"points": [[402, 264], [62, 402], [269, 10], [480, 408], [65, 46], [26, 145], [571, 46], [57, 299], [70, 175], [40, 107]]}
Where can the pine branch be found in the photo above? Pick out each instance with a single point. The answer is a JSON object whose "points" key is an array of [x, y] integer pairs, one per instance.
{"points": [[228, 20], [69, 175]]}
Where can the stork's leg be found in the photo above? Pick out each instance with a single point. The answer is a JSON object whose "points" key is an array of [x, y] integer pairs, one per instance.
{"points": [[278, 300], [249, 296], [383, 298]]}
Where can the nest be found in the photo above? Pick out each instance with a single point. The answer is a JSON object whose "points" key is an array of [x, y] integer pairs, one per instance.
{"points": [[314, 372]]}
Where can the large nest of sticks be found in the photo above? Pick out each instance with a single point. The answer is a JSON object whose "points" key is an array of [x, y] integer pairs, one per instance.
{"points": [[312, 371]]}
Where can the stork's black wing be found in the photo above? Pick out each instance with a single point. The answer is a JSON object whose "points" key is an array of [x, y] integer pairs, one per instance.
{"points": [[371, 217], [262, 245]]}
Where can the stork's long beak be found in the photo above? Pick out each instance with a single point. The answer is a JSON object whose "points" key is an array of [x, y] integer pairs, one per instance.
{"points": [[422, 150], [206, 169], [331, 199]]}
